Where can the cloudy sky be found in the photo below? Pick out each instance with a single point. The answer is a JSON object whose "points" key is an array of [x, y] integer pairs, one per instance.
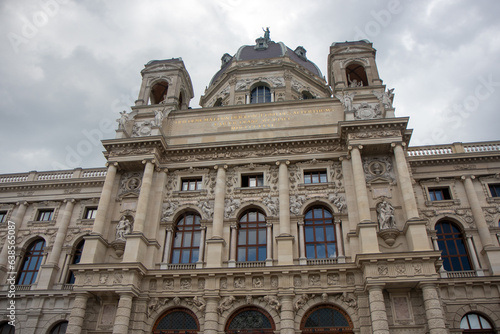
{"points": [[67, 68]]}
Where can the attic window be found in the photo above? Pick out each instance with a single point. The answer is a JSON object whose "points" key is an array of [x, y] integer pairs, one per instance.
{"points": [[159, 92], [261, 44], [301, 52]]}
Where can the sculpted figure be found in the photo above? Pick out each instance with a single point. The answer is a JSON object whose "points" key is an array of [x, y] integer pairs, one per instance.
{"points": [[123, 228], [346, 99], [200, 303], [225, 304], [273, 302], [158, 117], [122, 121], [299, 303], [385, 215]]}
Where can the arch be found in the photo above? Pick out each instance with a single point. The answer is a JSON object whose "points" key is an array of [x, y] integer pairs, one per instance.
{"points": [[31, 263], [76, 256], [318, 202], [319, 233], [475, 323], [306, 95], [186, 238], [250, 319], [260, 93], [482, 310], [5, 328], [356, 75], [59, 328], [252, 205], [251, 242], [159, 91], [326, 318], [175, 320], [451, 242], [459, 221], [183, 210]]}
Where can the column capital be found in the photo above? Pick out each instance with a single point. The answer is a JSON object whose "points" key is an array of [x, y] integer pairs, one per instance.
{"points": [[269, 224], [219, 166], [279, 162], [234, 226], [22, 203], [396, 143], [112, 163], [465, 177], [351, 147], [69, 200]]}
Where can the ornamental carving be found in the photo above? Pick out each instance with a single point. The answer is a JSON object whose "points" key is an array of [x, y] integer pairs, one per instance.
{"points": [[199, 303], [346, 99], [314, 280], [348, 298], [239, 282], [385, 213], [207, 207], [272, 205], [374, 134], [293, 176], [301, 301], [124, 227], [231, 181], [225, 304], [378, 168], [336, 176], [130, 183], [339, 201], [168, 210], [172, 183], [332, 279], [210, 181], [383, 270], [186, 284], [168, 284], [230, 207], [297, 281], [296, 203], [385, 97], [142, 129], [154, 304], [272, 178], [258, 282], [367, 111], [130, 151], [272, 301]]}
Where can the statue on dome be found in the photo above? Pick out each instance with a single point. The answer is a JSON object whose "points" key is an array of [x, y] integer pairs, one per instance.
{"points": [[267, 34]]}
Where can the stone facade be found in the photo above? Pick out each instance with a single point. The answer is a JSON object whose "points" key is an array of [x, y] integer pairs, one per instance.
{"points": [[374, 264]]}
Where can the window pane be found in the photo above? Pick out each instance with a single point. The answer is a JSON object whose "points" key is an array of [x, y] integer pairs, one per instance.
{"points": [[474, 321], [196, 239], [176, 256], [323, 177], [330, 233], [318, 213], [242, 237], [320, 249], [464, 324], [252, 254], [310, 254], [252, 237], [331, 250], [320, 234], [315, 178], [178, 239], [241, 254], [252, 216], [262, 236], [262, 253], [187, 239], [185, 256], [484, 323], [309, 233]]}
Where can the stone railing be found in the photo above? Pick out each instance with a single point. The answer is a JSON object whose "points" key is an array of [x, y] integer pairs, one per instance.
{"points": [[181, 266], [315, 262], [461, 274], [251, 264], [77, 173], [419, 151]]}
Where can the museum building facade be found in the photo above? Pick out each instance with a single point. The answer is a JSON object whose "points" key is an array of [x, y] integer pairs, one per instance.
{"points": [[287, 203]]}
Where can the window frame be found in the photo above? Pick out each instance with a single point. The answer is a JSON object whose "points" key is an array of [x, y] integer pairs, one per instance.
{"points": [[246, 180], [322, 223], [245, 229], [196, 181], [308, 176], [496, 192], [443, 191], [257, 97], [454, 237], [42, 212], [90, 209], [31, 254], [61, 328], [480, 322], [182, 230], [75, 259], [3, 216]]}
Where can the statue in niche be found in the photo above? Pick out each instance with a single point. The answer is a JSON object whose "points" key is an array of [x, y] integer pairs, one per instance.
{"points": [[386, 215], [123, 228], [158, 117], [354, 82]]}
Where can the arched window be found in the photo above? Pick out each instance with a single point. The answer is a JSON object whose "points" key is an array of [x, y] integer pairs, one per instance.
{"points": [[159, 92], [474, 323], [252, 237], [177, 321], [31, 263], [250, 320], [320, 240], [5, 328], [260, 94], [307, 95], [76, 259], [326, 319], [186, 245], [60, 328], [218, 103], [451, 243], [356, 75]]}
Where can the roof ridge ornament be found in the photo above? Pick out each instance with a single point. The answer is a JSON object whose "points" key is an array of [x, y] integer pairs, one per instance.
{"points": [[261, 43]]}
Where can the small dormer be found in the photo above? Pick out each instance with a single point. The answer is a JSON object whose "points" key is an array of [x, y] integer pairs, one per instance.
{"points": [[226, 58], [301, 52]]}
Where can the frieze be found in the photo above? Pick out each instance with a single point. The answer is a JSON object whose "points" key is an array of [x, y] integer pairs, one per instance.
{"points": [[374, 134], [272, 204], [130, 151]]}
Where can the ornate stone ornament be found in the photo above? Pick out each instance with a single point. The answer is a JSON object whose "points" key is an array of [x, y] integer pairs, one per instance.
{"points": [[378, 168], [301, 301], [168, 210], [346, 99], [273, 302], [272, 205], [339, 201], [123, 228], [230, 207], [225, 304], [296, 203], [130, 183], [199, 303], [154, 304], [142, 129], [367, 111], [207, 207], [385, 213], [385, 98]]}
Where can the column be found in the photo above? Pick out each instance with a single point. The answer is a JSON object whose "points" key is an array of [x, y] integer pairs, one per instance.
{"points": [[211, 316], [216, 244], [284, 239], [17, 219], [340, 241], [405, 184], [302, 243], [367, 229], [122, 317], [136, 245], [269, 244], [473, 255], [287, 315], [201, 252], [48, 271], [168, 244], [95, 245], [477, 212], [75, 321], [433, 311], [415, 229], [378, 313], [491, 251], [232, 249]]}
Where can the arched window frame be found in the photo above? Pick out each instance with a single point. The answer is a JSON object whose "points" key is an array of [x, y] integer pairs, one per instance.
{"points": [[356, 71], [159, 92], [75, 259], [5, 328], [244, 240], [260, 93], [59, 328], [451, 242], [250, 330], [475, 323], [316, 230], [187, 312], [32, 260], [340, 329], [180, 243]]}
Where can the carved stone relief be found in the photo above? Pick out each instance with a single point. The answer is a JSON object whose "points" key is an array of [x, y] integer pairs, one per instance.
{"points": [[378, 168], [207, 207], [367, 111], [338, 200], [168, 210], [230, 207], [130, 183], [142, 129], [296, 203], [272, 205]]}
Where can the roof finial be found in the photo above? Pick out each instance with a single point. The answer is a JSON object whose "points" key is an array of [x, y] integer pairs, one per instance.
{"points": [[267, 34]]}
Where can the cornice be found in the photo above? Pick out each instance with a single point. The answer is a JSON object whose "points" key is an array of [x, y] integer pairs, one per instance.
{"points": [[375, 125], [455, 158], [50, 184]]}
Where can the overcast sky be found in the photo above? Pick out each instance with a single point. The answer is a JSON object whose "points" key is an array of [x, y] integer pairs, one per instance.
{"points": [[67, 68]]}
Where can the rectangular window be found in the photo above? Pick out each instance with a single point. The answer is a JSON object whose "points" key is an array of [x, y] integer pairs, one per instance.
{"points": [[3, 216], [45, 215], [318, 176], [494, 190], [191, 184], [90, 213], [439, 194], [255, 180]]}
